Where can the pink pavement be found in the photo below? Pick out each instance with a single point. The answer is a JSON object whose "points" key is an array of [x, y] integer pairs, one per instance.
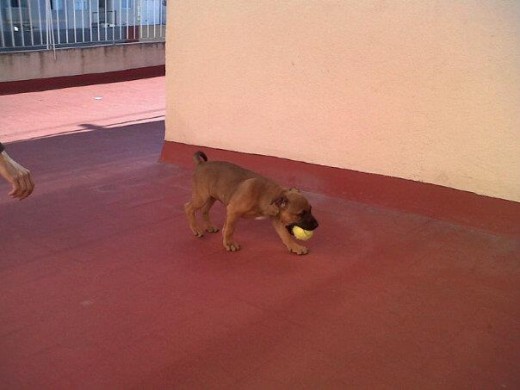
{"points": [[102, 285]]}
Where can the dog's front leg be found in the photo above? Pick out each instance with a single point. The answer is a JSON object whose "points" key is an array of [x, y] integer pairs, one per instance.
{"points": [[229, 229], [286, 238]]}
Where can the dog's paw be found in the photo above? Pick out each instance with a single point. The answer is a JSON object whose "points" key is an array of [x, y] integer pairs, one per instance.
{"points": [[212, 229], [298, 249], [198, 232], [232, 246]]}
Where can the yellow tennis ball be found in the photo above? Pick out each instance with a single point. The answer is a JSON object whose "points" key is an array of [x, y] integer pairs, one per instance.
{"points": [[302, 234]]}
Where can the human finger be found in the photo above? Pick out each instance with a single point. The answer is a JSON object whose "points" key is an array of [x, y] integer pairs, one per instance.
{"points": [[18, 187], [27, 185]]}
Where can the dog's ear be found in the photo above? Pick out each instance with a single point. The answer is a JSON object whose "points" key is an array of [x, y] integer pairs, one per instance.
{"points": [[280, 201], [294, 190], [277, 204]]}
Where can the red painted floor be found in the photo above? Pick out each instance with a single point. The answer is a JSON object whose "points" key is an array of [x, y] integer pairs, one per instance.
{"points": [[102, 285]]}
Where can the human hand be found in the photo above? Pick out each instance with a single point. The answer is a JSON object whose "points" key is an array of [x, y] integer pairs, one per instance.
{"points": [[17, 175]]}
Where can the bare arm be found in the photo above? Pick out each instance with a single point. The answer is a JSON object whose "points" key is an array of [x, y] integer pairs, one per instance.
{"points": [[16, 174]]}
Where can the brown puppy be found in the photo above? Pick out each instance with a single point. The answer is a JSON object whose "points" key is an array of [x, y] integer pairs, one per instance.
{"points": [[245, 194]]}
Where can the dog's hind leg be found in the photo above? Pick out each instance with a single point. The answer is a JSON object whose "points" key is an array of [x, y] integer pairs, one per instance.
{"points": [[208, 226], [190, 209]]}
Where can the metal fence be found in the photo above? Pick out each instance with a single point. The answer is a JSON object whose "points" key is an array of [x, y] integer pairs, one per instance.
{"points": [[47, 24]]}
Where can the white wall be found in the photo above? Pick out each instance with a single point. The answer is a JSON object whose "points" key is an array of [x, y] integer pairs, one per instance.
{"points": [[423, 90]]}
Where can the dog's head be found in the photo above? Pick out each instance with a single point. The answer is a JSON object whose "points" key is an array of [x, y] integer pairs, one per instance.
{"points": [[295, 210]]}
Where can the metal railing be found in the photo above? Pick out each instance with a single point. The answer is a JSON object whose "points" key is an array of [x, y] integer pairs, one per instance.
{"points": [[48, 24]]}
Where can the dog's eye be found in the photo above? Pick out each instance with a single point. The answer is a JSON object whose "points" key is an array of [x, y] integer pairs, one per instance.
{"points": [[304, 213]]}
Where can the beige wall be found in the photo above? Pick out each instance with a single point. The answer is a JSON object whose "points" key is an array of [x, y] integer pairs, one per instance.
{"points": [[28, 65], [424, 90]]}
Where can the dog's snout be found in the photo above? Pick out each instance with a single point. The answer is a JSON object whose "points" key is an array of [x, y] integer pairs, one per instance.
{"points": [[309, 223]]}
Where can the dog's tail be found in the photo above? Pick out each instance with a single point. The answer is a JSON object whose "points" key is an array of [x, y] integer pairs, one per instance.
{"points": [[200, 157]]}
